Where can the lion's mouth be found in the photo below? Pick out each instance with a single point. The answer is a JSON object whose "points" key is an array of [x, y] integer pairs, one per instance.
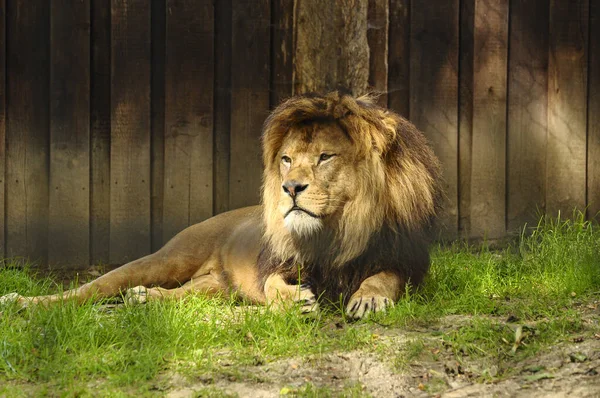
{"points": [[298, 208]]}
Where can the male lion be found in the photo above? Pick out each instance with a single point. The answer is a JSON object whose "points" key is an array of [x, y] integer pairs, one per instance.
{"points": [[349, 190]]}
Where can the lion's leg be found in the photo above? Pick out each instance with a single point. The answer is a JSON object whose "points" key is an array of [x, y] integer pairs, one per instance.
{"points": [[279, 294], [147, 271], [375, 294], [208, 285]]}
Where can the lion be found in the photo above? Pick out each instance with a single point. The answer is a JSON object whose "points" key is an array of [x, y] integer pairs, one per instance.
{"points": [[349, 192]]}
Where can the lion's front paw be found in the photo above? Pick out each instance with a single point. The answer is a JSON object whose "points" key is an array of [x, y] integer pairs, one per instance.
{"points": [[136, 295], [361, 306], [307, 299], [283, 296]]}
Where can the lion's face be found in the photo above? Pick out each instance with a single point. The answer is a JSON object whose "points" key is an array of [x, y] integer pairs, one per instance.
{"points": [[317, 169], [347, 168]]}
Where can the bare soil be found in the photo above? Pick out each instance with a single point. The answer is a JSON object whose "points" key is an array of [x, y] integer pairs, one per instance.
{"points": [[569, 369]]}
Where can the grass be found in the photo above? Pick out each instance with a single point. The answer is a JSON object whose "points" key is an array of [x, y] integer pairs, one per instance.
{"points": [[517, 301], [538, 276]]}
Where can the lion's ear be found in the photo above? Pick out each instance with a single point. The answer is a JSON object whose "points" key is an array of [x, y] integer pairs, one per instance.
{"points": [[384, 135]]}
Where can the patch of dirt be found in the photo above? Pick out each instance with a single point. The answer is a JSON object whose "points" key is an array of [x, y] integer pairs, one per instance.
{"points": [[569, 369]]}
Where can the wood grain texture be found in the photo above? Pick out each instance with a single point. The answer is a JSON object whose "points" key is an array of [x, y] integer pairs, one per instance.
{"points": [[69, 196], [567, 102], [488, 181], [130, 126], [100, 133], [378, 14], [399, 57], [593, 157], [282, 50], [27, 130], [434, 92], [188, 115], [527, 112], [249, 98], [174, 86], [331, 49], [222, 106], [2, 124], [465, 120], [157, 90]]}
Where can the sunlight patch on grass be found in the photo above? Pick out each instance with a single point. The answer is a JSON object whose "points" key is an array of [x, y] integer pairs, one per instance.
{"points": [[133, 343], [556, 262], [536, 280]]}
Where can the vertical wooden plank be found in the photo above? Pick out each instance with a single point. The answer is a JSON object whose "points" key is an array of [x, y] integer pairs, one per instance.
{"points": [[282, 15], [434, 91], [249, 98], [69, 213], [222, 105], [2, 122], [157, 90], [465, 119], [130, 125], [567, 103], [100, 133], [527, 112], [488, 180], [188, 115], [399, 56], [593, 158], [27, 129], [377, 37]]}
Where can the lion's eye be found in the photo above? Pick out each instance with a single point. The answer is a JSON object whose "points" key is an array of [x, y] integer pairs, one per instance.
{"points": [[325, 156], [286, 160]]}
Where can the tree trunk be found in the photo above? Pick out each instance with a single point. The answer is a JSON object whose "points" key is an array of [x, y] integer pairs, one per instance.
{"points": [[331, 49]]}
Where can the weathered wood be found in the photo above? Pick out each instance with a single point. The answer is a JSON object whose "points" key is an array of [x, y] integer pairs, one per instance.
{"points": [[593, 158], [2, 124], [567, 100], [434, 92], [249, 98], [399, 57], [69, 196], [188, 115], [157, 90], [130, 125], [465, 112], [100, 133], [488, 182], [282, 16], [339, 58], [377, 38], [222, 105], [47, 61], [27, 130], [527, 112]]}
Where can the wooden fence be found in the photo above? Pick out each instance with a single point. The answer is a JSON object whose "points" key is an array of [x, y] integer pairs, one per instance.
{"points": [[124, 121]]}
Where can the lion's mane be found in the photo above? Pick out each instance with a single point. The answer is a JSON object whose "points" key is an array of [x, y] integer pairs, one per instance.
{"points": [[384, 223]]}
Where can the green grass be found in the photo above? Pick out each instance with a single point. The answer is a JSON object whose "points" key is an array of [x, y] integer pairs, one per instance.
{"points": [[309, 390], [537, 283], [545, 271], [131, 344]]}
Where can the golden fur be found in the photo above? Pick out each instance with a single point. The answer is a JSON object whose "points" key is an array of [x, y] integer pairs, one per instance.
{"points": [[349, 189]]}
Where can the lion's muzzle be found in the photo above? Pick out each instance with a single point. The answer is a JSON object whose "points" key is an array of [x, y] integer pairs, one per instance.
{"points": [[293, 188]]}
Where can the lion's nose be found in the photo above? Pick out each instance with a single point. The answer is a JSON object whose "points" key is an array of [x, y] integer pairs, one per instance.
{"points": [[293, 187]]}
